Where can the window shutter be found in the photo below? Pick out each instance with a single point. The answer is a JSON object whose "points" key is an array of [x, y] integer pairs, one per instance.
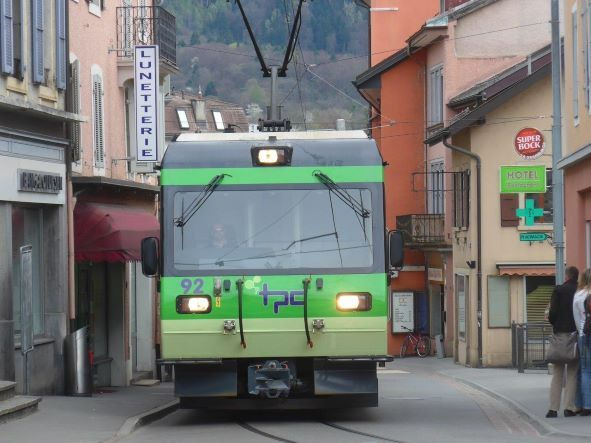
{"points": [[99, 141], [75, 97], [60, 74], [6, 37], [509, 204], [38, 44]]}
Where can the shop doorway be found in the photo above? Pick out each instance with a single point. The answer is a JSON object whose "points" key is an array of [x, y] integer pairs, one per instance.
{"points": [[538, 291], [436, 309], [100, 306], [142, 321]]}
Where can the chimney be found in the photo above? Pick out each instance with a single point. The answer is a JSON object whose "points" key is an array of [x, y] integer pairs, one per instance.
{"points": [[198, 109]]}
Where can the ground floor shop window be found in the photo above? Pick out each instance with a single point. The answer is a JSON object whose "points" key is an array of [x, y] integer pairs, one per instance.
{"points": [[27, 229], [538, 292], [462, 291], [499, 302]]}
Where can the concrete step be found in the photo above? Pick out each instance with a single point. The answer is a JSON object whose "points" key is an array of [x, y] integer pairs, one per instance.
{"points": [[17, 407], [141, 375], [7, 389]]}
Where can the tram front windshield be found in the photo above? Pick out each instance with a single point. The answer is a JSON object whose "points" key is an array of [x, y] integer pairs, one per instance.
{"points": [[273, 229]]}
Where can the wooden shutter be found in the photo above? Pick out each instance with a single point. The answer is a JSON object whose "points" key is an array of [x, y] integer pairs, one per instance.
{"points": [[37, 43], [509, 204], [60, 23], [75, 97], [6, 37], [97, 104]]}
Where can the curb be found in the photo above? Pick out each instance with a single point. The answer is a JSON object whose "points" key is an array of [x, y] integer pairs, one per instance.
{"points": [[544, 428], [143, 419]]}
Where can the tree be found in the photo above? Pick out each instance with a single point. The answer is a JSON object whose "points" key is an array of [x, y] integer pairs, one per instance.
{"points": [[210, 89]]}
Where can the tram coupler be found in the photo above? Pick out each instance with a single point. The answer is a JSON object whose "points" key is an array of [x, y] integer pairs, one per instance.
{"points": [[272, 379]]}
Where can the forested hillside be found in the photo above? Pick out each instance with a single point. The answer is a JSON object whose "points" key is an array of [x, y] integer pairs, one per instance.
{"points": [[215, 52]]}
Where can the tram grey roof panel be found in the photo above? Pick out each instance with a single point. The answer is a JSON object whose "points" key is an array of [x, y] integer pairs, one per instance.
{"points": [[237, 153]]}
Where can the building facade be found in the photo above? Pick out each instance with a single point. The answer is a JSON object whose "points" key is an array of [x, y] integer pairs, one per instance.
{"points": [[576, 151], [464, 44], [33, 199], [114, 198]]}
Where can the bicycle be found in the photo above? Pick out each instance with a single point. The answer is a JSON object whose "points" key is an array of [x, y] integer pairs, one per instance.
{"points": [[420, 342]]}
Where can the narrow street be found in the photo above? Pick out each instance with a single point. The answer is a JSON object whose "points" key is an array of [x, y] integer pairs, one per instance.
{"points": [[416, 405]]}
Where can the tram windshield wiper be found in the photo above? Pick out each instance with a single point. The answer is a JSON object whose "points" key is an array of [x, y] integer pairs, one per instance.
{"points": [[342, 194], [199, 201], [302, 240]]}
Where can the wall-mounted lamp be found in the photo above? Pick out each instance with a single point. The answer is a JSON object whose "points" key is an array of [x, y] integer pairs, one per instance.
{"points": [[471, 264]]}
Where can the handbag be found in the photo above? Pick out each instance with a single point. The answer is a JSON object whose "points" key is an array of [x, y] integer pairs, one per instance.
{"points": [[562, 348]]}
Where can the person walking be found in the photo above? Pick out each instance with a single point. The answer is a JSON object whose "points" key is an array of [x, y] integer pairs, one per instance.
{"points": [[563, 323], [582, 311]]}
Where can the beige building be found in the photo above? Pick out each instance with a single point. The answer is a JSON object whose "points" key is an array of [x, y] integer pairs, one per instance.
{"points": [[517, 276], [576, 151]]}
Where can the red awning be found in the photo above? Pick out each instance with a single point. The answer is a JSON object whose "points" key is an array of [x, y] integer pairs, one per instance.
{"points": [[111, 233]]}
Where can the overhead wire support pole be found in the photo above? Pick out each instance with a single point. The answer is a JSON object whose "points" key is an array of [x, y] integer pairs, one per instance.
{"points": [[295, 30], [557, 174], [264, 68]]}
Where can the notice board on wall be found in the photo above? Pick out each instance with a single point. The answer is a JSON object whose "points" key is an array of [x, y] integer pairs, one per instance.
{"points": [[403, 311]]}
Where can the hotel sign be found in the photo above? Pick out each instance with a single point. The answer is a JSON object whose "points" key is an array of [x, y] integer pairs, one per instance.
{"points": [[146, 103], [36, 181], [529, 178]]}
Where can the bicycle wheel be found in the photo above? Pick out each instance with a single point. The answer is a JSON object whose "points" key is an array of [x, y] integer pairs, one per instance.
{"points": [[404, 347], [424, 346]]}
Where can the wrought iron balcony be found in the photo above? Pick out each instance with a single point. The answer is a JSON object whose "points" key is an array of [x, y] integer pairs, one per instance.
{"points": [[146, 25], [422, 230]]}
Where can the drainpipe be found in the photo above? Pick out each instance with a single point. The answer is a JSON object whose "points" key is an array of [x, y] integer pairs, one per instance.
{"points": [[478, 238], [70, 200]]}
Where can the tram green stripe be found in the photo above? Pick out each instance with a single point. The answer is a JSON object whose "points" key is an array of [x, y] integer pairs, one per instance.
{"points": [[271, 175]]}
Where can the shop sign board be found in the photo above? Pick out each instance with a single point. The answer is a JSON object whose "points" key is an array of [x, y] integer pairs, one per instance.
{"points": [[522, 178], [402, 311], [146, 102], [435, 274], [38, 181], [533, 236], [529, 143]]}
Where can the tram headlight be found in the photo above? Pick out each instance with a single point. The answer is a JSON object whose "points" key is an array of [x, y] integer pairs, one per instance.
{"points": [[271, 155], [357, 301], [198, 304]]}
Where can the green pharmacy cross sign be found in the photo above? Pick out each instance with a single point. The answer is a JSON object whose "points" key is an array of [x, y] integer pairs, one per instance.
{"points": [[530, 212]]}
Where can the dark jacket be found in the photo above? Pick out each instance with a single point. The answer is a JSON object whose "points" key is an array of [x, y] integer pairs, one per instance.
{"points": [[561, 307]]}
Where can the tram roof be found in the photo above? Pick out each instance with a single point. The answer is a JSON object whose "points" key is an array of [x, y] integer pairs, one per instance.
{"points": [[312, 148]]}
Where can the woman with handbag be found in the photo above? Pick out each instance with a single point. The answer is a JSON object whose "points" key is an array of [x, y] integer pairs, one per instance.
{"points": [[563, 345], [582, 316]]}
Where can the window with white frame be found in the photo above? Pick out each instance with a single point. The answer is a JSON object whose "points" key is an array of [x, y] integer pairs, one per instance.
{"points": [[435, 187], [11, 37], [462, 292], [219, 121], [435, 97], [183, 120], [575, 64], [98, 121]]}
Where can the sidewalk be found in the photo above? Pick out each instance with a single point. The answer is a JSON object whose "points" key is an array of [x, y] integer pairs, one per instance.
{"points": [[88, 419], [527, 393]]}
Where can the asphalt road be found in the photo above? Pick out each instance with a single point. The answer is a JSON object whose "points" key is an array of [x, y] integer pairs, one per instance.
{"points": [[415, 406]]}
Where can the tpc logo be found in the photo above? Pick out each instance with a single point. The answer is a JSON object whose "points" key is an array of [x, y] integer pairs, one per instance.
{"points": [[286, 298]]}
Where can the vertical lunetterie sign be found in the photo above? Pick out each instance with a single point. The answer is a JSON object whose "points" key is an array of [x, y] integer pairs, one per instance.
{"points": [[146, 103]]}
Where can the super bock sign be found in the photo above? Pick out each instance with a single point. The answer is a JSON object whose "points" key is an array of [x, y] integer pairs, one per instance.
{"points": [[146, 103]]}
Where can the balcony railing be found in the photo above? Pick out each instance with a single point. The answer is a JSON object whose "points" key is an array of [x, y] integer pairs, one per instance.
{"points": [[146, 25], [422, 230]]}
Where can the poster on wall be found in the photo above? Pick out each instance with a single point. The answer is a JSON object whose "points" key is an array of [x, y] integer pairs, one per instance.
{"points": [[403, 311]]}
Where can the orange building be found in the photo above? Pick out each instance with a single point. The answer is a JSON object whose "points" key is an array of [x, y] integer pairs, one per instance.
{"points": [[397, 98]]}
